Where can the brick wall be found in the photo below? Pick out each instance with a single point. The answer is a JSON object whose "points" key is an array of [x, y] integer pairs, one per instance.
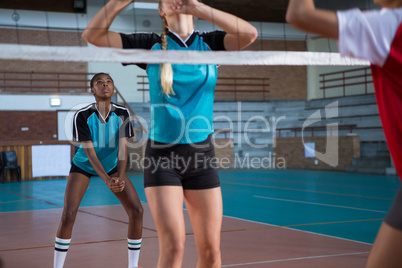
{"points": [[42, 125], [39, 37], [286, 82], [292, 150]]}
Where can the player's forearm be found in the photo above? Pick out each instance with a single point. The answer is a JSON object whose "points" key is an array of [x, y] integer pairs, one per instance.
{"points": [[303, 15], [97, 32], [243, 33], [122, 157], [121, 168], [299, 11]]}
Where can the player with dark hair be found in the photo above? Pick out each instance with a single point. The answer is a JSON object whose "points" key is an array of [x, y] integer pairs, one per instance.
{"points": [[102, 129]]}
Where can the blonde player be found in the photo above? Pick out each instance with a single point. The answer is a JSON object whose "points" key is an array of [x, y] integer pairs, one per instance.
{"points": [[182, 99]]}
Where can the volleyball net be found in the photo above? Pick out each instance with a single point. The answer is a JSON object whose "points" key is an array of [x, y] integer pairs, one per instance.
{"points": [[21, 49], [142, 16], [113, 55]]}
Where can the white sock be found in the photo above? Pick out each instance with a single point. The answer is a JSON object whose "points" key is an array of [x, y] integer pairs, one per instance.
{"points": [[60, 252], [134, 246]]}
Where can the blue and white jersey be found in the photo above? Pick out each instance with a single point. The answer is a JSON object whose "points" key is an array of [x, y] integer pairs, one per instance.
{"points": [[186, 116], [89, 125]]}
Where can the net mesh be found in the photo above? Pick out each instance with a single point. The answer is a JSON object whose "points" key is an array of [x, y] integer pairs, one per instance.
{"points": [[95, 54], [140, 17]]}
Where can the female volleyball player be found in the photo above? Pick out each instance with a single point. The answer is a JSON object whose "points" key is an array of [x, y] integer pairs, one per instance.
{"points": [[180, 148], [377, 37], [102, 128]]}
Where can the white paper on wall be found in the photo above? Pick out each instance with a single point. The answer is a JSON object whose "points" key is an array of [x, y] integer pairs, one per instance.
{"points": [[51, 160], [309, 149]]}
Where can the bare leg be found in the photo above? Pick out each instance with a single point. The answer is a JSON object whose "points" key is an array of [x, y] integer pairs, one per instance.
{"points": [[387, 248], [205, 210], [166, 203], [76, 187], [132, 205]]}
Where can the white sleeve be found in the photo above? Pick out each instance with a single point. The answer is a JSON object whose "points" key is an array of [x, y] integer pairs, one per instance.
{"points": [[368, 35]]}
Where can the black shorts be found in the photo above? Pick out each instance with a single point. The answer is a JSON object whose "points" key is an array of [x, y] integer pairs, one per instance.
{"points": [[76, 169], [181, 165], [394, 216]]}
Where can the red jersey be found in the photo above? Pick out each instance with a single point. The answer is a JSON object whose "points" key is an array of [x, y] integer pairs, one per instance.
{"points": [[377, 36]]}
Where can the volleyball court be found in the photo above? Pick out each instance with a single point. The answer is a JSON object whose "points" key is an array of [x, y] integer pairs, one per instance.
{"points": [[274, 214]]}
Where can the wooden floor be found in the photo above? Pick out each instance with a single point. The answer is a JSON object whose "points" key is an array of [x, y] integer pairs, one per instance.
{"points": [[272, 219]]}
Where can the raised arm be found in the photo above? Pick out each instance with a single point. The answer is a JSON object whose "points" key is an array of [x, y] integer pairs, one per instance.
{"points": [[240, 33], [97, 31], [303, 15]]}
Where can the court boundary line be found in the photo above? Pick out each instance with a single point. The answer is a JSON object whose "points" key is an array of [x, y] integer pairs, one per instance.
{"points": [[79, 210], [287, 227], [297, 259], [330, 184], [302, 190], [319, 204]]}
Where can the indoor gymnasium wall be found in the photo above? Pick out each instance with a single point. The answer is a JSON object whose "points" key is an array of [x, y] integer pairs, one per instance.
{"points": [[286, 82], [20, 130], [41, 37], [314, 72], [41, 124], [292, 149], [28, 126]]}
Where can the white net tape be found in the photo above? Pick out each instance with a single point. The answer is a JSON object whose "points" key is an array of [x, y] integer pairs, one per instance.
{"points": [[95, 54]]}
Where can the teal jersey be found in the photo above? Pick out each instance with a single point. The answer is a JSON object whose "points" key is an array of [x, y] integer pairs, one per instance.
{"points": [[186, 116], [89, 125]]}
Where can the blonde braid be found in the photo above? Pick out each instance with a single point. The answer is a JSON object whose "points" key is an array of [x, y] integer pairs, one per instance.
{"points": [[166, 68]]}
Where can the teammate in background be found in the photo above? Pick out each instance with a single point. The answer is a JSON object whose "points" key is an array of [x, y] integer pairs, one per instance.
{"points": [[102, 128], [182, 99], [376, 36]]}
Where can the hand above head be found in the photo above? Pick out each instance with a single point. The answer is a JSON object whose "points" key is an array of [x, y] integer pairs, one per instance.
{"points": [[116, 184], [97, 31], [182, 6]]}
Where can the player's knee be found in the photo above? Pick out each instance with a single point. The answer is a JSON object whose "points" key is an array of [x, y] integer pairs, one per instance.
{"points": [[176, 250], [69, 216], [136, 212], [211, 254]]}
